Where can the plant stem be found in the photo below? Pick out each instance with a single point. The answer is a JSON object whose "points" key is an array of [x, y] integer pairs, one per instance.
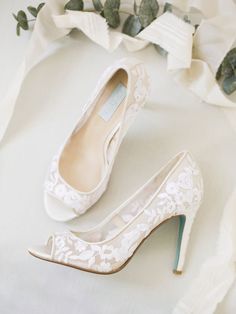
{"points": [[124, 12]]}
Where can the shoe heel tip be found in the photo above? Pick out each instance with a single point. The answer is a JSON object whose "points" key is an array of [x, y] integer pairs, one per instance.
{"points": [[177, 272]]}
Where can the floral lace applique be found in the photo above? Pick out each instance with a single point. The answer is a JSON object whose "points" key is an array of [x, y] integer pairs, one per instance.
{"points": [[55, 186]]}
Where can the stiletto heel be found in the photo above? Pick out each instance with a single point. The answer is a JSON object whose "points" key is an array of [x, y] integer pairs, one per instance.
{"points": [[185, 225]]}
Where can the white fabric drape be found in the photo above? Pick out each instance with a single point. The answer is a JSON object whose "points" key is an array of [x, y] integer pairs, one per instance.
{"points": [[212, 40]]}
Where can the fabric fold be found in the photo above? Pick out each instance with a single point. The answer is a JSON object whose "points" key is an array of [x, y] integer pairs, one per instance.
{"points": [[45, 32], [91, 24], [175, 36]]}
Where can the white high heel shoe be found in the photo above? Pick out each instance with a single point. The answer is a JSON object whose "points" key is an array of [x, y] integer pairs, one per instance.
{"points": [[176, 190], [80, 172]]}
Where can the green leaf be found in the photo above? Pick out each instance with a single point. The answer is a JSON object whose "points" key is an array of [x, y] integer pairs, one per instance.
{"points": [[228, 65], [148, 11], [111, 12], [218, 73], [167, 7], [227, 70], [186, 19], [224, 71], [15, 17], [132, 26], [231, 58], [229, 84], [135, 8], [18, 29], [161, 50], [40, 6], [22, 18], [24, 25], [97, 5], [33, 11], [74, 5]]}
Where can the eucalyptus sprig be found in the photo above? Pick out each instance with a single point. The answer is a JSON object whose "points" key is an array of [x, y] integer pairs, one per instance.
{"points": [[110, 10], [226, 73], [143, 15], [23, 21]]}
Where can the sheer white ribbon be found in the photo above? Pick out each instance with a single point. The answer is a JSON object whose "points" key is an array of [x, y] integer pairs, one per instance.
{"points": [[213, 39], [218, 273]]}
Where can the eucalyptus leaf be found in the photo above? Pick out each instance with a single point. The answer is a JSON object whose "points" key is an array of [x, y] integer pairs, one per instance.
{"points": [[132, 26], [74, 5], [167, 7], [218, 73], [15, 17], [18, 29], [24, 25], [33, 11], [186, 19], [148, 11], [228, 65], [97, 5], [161, 50], [21, 16], [229, 84], [231, 57], [40, 6], [111, 12], [226, 69], [22, 20]]}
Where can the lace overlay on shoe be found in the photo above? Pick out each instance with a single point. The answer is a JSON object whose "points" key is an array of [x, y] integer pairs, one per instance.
{"points": [[109, 246], [59, 188]]}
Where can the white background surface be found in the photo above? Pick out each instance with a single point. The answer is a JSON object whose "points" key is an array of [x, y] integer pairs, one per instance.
{"points": [[48, 106]]}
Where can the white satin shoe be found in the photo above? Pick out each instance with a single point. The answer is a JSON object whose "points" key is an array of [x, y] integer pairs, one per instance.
{"points": [[80, 171], [176, 190]]}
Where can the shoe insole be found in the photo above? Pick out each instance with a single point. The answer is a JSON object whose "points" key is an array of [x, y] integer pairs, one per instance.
{"points": [[82, 161], [125, 214]]}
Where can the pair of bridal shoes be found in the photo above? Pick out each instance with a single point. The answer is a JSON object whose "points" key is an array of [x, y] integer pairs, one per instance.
{"points": [[80, 172]]}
